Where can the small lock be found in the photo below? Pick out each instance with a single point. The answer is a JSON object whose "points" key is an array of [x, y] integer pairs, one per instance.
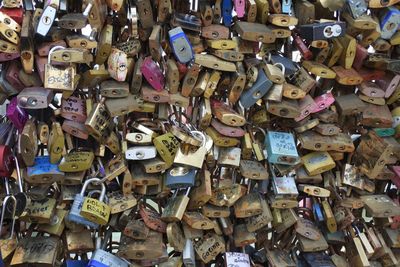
{"points": [[140, 153], [180, 177]]}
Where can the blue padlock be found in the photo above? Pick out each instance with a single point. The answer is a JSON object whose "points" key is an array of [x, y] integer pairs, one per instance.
{"points": [[318, 212], [44, 171], [227, 7], [180, 177], [389, 22], [181, 46], [74, 214], [281, 148], [286, 6], [75, 263], [257, 91]]}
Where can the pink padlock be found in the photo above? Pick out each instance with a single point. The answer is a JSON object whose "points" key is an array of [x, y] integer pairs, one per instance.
{"points": [[389, 83], [227, 130], [16, 114], [153, 74], [44, 48], [4, 57], [323, 102], [306, 105], [76, 129], [395, 219], [74, 109], [361, 56], [239, 8]]}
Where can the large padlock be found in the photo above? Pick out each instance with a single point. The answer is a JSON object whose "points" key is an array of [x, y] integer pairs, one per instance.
{"points": [[95, 210], [75, 213], [59, 78]]}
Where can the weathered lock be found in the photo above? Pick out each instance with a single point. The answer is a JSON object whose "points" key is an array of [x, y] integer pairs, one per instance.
{"points": [[119, 202], [136, 229], [60, 78], [95, 210], [248, 205], [197, 220], [39, 211], [226, 115], [80, 241], [43, 172], [27, 143], [180, 177], [39, 250], [118, 64], [152, 219], [254, 223], [318, 162], [281, 148], [150, 249], [176, 207], [34, 98], [209, 246], [380, 206], [74, 214]]}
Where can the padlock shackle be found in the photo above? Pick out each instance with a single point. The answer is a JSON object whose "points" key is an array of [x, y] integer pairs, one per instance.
{"points": [[87, 9], [94, 181], [106, 199], [58, 47], [3, 211], [282, 67], [203, 137], [20, 182]]}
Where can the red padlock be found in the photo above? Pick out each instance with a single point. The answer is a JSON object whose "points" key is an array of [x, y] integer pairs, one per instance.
{"points": [[16, 14], [7, 163]]}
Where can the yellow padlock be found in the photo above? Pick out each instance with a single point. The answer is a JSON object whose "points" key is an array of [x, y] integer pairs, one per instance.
{"points": [[95, 210]]}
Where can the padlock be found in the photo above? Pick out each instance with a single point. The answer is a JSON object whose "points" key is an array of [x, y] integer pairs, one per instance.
{"points": [[176, 207], [43, 172], [59, 78], [95, 210], [74, 214], [194, 159], [76, 161], [180, 177], [281, 148], [257, 91], [16, 115], [101, 257], [37, 250]]}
